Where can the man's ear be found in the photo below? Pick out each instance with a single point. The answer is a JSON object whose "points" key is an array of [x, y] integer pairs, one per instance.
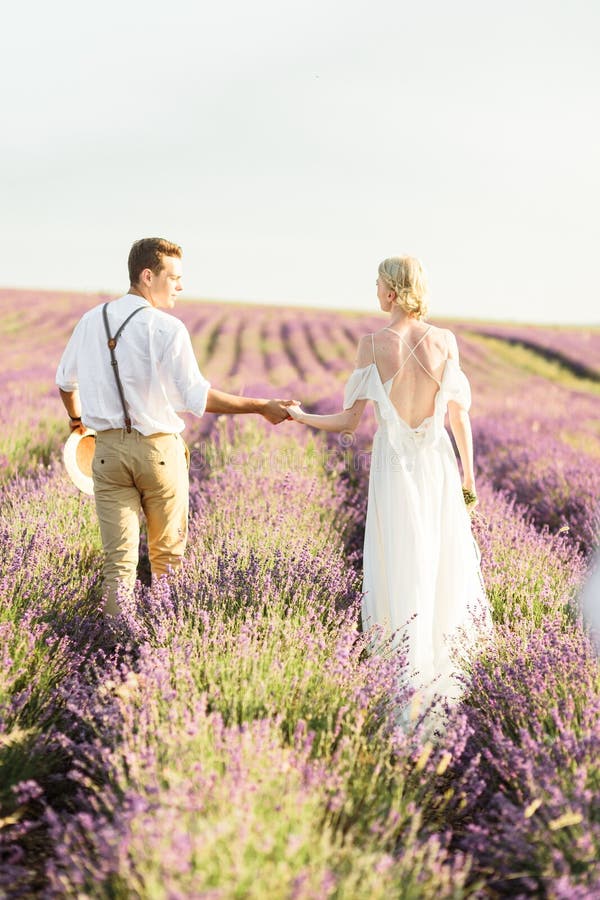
{"points": [[146, 276]]}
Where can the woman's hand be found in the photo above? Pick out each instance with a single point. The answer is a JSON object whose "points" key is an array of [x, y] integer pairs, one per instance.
{"points": [[296, 412], [470, 496]]}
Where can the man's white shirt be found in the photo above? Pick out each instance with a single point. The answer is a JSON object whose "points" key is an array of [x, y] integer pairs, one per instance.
{"points": [[157, 367]]}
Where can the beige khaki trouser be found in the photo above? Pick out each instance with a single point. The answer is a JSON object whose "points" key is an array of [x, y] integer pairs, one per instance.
{"points": [[133, 472]]}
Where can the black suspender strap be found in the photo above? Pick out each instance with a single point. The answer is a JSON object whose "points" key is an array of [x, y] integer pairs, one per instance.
{"points": [[112, 343]]}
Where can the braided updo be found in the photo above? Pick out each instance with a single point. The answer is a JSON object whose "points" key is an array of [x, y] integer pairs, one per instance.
{"points": [[406, 277]]}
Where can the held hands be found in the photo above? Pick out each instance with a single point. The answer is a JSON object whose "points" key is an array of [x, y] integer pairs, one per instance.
{"points": [[276, 411], [295, 411]]}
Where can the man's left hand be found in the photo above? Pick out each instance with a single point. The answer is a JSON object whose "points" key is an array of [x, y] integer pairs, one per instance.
{"points": [[275, 411], [77, 425]]}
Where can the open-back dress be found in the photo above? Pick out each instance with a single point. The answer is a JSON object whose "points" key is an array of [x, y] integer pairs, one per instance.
{"points": [[421, 562]]}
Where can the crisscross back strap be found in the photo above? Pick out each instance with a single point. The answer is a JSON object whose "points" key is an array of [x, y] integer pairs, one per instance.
{"points": [[411, 352], [373, 346], [112, 343]]}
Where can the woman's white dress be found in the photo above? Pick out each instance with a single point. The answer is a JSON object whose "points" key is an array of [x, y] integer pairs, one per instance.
{"points": [[421, 562]]}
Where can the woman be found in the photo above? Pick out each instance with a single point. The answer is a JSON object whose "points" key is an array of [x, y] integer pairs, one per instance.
{"points": [[420, 560]]}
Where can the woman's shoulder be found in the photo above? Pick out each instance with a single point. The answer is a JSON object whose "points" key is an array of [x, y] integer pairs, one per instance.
{"points": [[446, 339], [439, 330], [364, 351]]}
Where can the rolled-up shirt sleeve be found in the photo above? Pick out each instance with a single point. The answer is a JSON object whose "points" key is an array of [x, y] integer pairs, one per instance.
{"points": [[66, 373], [186, 386]]}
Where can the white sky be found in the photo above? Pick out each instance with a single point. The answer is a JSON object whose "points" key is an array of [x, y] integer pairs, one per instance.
{"points": [[290, 146]]}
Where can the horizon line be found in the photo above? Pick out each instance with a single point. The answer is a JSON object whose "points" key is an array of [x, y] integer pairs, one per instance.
{"points": [[301, 305]]}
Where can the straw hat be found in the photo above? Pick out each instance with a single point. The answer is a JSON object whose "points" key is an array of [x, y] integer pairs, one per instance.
{"points": [[78, 454]]}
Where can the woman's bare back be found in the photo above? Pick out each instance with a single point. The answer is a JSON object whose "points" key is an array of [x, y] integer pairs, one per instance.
{"points": [[410, 362]]}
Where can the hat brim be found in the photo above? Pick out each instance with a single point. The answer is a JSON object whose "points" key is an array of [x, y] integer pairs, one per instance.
{"points": [[78, 454]]}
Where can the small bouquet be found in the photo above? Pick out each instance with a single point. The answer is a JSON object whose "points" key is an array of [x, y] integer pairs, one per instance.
{"points": [[471, 501]]}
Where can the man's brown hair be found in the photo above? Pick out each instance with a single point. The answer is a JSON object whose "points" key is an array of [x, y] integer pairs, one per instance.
{"points": [[148, 253]]}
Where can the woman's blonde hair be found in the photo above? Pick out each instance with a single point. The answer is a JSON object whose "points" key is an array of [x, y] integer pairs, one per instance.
{"points": [[405, 275]]}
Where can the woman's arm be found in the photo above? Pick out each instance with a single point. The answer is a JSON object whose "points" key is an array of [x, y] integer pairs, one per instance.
{"points": [[460, 424], [345, 421]]}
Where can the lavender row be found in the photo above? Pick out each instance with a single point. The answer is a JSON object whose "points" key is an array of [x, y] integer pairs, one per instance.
{"points": [[525, 742], [559, 485], [577, 349]]}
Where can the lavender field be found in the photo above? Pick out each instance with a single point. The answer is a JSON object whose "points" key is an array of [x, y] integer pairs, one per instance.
{"points": [[241, 742]]}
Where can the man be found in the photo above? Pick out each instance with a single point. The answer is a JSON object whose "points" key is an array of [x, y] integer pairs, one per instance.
{"points": [[128, 385]]}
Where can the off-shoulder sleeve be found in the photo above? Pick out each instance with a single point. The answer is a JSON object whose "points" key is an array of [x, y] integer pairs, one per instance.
{"points": [[455, 385], [363, 384]]}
